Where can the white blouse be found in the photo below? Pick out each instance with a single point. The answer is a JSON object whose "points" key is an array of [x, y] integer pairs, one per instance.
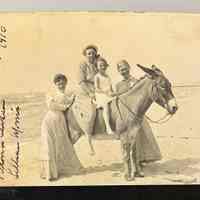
{"points": [[59, 101], [104, 82]]}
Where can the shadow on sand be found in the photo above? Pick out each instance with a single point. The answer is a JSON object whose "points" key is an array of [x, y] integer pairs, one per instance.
{"points": [[172, 167], [117, 168], [114, 167], [187, 166]]}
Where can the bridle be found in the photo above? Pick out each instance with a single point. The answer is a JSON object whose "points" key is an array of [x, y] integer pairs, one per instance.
{"points": [[156, 96]]}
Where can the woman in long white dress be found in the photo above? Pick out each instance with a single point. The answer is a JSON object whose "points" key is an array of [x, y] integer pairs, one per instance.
{"points": [[57, 152]]}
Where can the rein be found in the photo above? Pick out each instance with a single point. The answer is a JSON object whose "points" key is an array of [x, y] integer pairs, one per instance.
{"points": [[162, 120], [73, 100]]}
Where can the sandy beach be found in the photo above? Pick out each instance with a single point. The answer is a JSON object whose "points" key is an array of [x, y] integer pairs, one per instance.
{"points": [[178, 139], [180, 165], [41, 45]]}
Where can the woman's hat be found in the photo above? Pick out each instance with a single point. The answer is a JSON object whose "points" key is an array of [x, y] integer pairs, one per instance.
{"points": [[95, 48]]}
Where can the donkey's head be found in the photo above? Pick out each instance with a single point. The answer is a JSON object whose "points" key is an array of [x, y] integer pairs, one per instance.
{"points": [[161, 89]]}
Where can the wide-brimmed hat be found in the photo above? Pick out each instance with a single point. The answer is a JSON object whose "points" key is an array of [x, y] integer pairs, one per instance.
{"points": [[91, 46]]}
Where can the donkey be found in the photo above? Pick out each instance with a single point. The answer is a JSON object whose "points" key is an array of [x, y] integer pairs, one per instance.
{"points": [[127, 112]]}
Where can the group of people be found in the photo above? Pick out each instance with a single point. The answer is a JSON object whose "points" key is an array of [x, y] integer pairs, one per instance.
{"points": [[58, 155]]}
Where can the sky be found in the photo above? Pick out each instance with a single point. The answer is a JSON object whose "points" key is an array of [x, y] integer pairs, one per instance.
{"points": [[38, 48], [136, 5], [43, 44]]}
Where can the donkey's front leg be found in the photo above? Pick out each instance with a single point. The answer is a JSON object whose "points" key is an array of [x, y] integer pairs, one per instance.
{"points": [[133, 163], [132, 133], [126, 159], [136, 170], [90, 145]]}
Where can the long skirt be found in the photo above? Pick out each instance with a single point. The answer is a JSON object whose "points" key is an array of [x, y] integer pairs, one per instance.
{"points": [[147, 149], [85, 111], [57, 152]]}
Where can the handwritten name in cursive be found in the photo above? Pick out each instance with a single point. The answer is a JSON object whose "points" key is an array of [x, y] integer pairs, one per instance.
{"points": [[16, 134], [2, 132], [11, 162]]}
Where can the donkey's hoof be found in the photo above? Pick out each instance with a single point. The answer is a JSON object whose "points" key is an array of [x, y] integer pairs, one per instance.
{"points": [[139, 174], [129, 178]]}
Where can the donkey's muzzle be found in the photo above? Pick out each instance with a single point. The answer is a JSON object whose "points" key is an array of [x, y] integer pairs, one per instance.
{"points": [[172, 106], [174, 109]]}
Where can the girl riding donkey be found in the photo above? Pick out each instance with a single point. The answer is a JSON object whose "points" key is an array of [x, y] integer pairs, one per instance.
{"points": [[103, 91], [84, 107]]}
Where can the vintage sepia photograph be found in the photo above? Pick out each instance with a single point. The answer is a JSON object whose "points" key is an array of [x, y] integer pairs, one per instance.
{"points": [[99, 98]]}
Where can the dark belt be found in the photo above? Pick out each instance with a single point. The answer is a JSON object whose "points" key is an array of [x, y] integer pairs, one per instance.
{"points": [[87, 81]]}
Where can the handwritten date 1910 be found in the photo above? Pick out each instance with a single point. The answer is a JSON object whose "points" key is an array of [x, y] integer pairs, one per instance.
{"points": [[3, 37]]}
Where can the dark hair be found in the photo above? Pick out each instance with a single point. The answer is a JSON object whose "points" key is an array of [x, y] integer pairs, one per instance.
{"points": [[59, 77], [122, 62], [102, 60], [90, 47]]}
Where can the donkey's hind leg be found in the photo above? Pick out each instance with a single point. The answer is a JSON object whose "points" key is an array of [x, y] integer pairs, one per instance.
{"points": [[89, 132], [132, 163]]}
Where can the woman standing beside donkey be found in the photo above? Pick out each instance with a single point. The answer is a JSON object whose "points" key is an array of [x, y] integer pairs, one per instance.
{"points": [[96, 91], [147, 149], [58, 156]]}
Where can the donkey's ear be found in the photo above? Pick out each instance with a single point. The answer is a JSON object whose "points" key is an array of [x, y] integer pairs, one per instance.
{"points": [[156, 70], [149, 71]]}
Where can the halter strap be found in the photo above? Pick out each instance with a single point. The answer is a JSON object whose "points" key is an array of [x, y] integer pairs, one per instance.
{"points": [[130, 111], [162, 120]]}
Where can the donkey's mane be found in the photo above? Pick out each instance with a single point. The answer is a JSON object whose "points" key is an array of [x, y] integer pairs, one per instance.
{"points": [[135, 85]]}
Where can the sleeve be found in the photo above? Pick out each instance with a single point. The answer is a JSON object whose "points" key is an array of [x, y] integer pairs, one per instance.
{"points": [[132, 82], [82, 73], [96, 80], [116, 88], [97, 84], [82, 79], [120, 88], [111, 85], [69, 99], [53, 105]]}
